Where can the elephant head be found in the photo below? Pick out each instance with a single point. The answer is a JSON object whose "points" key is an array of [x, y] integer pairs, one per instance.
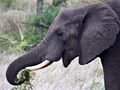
{"points": [[85, 32]]}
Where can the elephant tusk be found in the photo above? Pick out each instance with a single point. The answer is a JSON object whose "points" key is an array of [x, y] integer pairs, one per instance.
{"points": [[39, 66]]}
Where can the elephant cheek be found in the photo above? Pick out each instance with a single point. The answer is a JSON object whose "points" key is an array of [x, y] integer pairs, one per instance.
{"points": [[68, 57], [66, 60]]}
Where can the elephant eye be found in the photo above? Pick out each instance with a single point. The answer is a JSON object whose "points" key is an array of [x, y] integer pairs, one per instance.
{"points": [[59, 34]]}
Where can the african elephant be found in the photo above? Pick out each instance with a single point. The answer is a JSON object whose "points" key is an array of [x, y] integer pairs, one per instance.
{"points": [[88, 32]]}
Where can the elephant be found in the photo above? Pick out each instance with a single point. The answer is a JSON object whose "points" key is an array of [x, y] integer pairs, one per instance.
{"points": [[86, 32]]}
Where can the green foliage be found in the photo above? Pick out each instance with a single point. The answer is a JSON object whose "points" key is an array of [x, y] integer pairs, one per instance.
{"points": [[95, 85], [47, 17], [49, 14], [27, 85], [12, 44], [56, 2]]}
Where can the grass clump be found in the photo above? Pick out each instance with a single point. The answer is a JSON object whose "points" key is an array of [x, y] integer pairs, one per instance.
{"points": [[95, 85]]}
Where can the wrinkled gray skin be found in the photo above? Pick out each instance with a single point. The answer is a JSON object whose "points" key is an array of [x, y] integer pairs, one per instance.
{"points": [[88, 32]]}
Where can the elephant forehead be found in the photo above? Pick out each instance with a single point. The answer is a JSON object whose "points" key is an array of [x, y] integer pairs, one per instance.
{"points": [[58, 25], [65, 15]]}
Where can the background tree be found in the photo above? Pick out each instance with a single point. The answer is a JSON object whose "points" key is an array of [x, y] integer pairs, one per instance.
{"points": [[39, 11]]}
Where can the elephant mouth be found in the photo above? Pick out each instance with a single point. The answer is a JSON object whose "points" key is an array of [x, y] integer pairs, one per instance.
{"points": [[44, 64], [66, 58]]}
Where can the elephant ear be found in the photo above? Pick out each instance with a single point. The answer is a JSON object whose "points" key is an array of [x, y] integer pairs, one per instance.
{"points": [[99, 30]]}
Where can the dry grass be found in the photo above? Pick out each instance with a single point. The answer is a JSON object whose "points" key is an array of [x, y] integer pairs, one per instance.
{"points": [[17, 13], [56, 77]]}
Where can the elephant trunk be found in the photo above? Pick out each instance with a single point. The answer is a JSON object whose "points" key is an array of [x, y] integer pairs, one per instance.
{"points": [[34, 57]]}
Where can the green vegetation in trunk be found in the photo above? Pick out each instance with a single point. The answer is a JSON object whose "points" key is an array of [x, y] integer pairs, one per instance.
{"points": [[27, 85]]}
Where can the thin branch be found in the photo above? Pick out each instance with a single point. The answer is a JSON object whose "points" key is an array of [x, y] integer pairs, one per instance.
{"points": [[40, 24], [20, 31], [86, 2], [26, 23], [18, 26], [59, 3], [43, 25], [3, 38]]}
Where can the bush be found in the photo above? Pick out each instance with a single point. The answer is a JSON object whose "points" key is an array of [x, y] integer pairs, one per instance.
{"points": [[31, 37], [49, 14]]}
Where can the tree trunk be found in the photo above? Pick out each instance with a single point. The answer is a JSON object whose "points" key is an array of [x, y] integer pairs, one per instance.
{"points": [[39, 11], [39, 7]]}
